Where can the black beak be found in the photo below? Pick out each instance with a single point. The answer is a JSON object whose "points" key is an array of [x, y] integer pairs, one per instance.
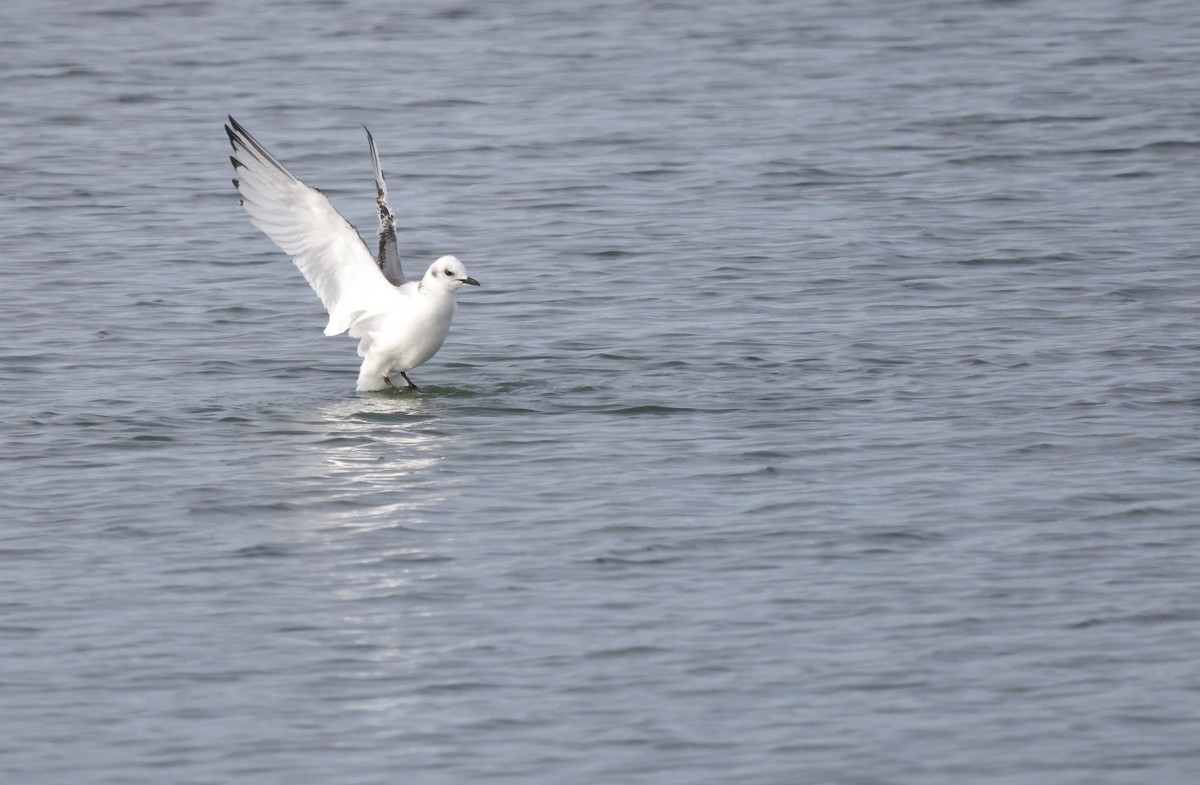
{"points": [[469, 280]]}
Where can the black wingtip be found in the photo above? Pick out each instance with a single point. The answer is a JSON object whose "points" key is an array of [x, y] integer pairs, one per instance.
{"points": [[237, 183], [236, 133]]}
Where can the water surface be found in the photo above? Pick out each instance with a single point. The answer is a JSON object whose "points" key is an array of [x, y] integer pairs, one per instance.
{"points": [[828, 413]]}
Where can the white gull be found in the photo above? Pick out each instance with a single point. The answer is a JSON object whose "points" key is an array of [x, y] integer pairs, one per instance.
{"points": [[399, 323]]}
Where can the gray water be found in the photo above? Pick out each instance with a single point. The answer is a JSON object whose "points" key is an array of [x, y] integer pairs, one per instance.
{"points": [[828, 413]]}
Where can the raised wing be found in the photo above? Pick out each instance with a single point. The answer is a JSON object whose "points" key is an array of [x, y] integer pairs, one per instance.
{"points": [[388, 258], [301, 221]]}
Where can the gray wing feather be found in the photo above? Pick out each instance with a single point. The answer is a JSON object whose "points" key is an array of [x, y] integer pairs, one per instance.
{"points": [[388, 258]]}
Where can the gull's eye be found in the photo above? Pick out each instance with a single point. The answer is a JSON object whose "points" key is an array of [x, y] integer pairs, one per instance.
{"points": [[447, 272]]}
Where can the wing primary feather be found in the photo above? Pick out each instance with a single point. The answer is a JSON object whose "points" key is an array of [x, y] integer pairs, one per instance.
{"points": [[388, 256], [253, 146]]}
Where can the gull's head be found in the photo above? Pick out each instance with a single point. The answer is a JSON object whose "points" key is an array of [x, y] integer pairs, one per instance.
{"points": [[447, 273]]}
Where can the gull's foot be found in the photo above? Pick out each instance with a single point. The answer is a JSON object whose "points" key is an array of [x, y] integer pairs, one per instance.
{"points": [[410, 386]]}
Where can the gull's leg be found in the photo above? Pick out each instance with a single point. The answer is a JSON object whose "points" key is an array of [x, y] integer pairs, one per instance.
{"points": [[410, 386]]}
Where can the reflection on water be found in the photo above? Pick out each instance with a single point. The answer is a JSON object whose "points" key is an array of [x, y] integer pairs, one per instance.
{"points": [[378, 460]]}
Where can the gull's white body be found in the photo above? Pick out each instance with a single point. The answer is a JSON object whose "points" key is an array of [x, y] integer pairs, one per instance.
{"points": [[406, 332], [400, 324]]}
